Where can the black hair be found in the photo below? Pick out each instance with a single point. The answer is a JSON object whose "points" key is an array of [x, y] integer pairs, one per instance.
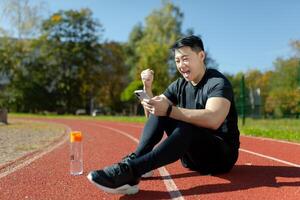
{"points": [[192, 41]]}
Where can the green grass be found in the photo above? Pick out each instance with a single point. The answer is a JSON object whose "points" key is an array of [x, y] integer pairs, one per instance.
{"points": [[140, 119], [282, 129]]}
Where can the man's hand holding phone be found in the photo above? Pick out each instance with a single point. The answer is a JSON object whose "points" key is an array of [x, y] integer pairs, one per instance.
{"points": [[141, 94]]}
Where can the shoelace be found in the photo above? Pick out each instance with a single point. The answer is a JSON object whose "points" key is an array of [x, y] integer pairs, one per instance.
{"points": [[130, 156], [118, 169]]}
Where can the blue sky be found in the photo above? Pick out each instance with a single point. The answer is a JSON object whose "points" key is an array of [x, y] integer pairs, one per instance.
{"points": [[239, 34]]}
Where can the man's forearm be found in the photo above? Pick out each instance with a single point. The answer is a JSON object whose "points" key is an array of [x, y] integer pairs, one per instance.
{"points": [[199, 117], [148, 91], [150, 94]]}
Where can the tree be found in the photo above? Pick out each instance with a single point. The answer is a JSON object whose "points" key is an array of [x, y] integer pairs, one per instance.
{"points": [[280, 87], [286, 73], [149, 47], [283, 103], [265, 88], [253, 83], [283, 99], [69, 46], [162, 29], [239, 95], [13, 54], [24, 18], [130, 47], [114, 76], [295, 44]]}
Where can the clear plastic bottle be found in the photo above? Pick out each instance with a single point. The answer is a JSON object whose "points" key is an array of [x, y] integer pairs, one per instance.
{"points": [[76, 153]]}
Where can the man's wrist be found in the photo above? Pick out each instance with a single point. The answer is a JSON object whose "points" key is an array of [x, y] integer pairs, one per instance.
{"points": [[169, 110], [148, 91]]}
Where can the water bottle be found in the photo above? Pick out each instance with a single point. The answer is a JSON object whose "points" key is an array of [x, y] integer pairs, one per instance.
{"points": [[76, 161]]}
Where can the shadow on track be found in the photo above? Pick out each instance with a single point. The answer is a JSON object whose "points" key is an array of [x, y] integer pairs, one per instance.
{"points": [[242, 177]]}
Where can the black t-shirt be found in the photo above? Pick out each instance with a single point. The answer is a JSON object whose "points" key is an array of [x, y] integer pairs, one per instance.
{"points": [[213, 84]]}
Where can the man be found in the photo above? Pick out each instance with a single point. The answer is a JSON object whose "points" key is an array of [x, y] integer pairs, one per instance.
{"points": [[198, 114]]}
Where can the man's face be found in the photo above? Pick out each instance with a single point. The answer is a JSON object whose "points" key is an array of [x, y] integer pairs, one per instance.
{"points": [[190, 64]]}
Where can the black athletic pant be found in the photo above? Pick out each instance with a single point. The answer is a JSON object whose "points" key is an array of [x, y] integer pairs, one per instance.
{"points": [[198, 148]]}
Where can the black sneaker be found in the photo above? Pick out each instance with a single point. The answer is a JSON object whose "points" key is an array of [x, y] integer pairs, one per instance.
{"points": [[117, 179], [129, 157], [132, 156]]}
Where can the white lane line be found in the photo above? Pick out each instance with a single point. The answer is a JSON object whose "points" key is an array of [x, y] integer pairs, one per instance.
{"points": [[270, 158], [173, 193], [258, 154], [254, 153], [251, 152], [169, 183], [270, 139], [245, 136]]}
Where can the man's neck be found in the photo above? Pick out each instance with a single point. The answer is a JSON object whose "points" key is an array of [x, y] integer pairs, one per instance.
{"points": [[200, 77]]}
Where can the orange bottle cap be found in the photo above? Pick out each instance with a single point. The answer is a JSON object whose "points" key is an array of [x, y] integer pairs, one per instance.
{"points": [[75, 136]]}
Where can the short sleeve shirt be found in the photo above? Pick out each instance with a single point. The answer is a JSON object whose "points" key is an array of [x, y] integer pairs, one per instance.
{"points": [[213, 84]]}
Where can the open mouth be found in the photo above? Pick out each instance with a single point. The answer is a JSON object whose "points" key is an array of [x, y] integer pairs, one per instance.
{"points": [[185, 73]]}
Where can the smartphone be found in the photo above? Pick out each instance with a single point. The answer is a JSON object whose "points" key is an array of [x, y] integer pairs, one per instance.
{"points": [[141, 94]]}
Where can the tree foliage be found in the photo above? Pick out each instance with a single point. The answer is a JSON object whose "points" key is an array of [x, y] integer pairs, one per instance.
{"points": [[56, 71], [68, 66], [24, 17], [279, 88], [150, 46], [114, 76], [284, 96], [69, 43]]}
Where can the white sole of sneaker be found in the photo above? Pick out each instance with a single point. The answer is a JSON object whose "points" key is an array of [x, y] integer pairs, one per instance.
{"points": [[124, 189], [148, 174]]}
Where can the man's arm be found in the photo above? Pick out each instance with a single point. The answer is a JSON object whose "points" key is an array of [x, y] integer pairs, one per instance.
{"points": [[214, 114], [149, 93], [147, 77]]}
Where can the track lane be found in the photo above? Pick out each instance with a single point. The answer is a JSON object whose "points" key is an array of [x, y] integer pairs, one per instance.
{"points": [[48, 177], [254, 177], [169, 183], [270, 177], [281, 150]]}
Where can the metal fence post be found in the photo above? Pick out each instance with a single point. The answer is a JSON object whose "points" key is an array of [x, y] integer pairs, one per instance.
{"points": [[243, 99]]}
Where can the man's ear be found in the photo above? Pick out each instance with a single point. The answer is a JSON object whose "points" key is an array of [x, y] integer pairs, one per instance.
{"points": [[202, 55]]}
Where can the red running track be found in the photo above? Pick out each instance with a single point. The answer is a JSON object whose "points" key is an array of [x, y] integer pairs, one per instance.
{"points": [[266, 169]]}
